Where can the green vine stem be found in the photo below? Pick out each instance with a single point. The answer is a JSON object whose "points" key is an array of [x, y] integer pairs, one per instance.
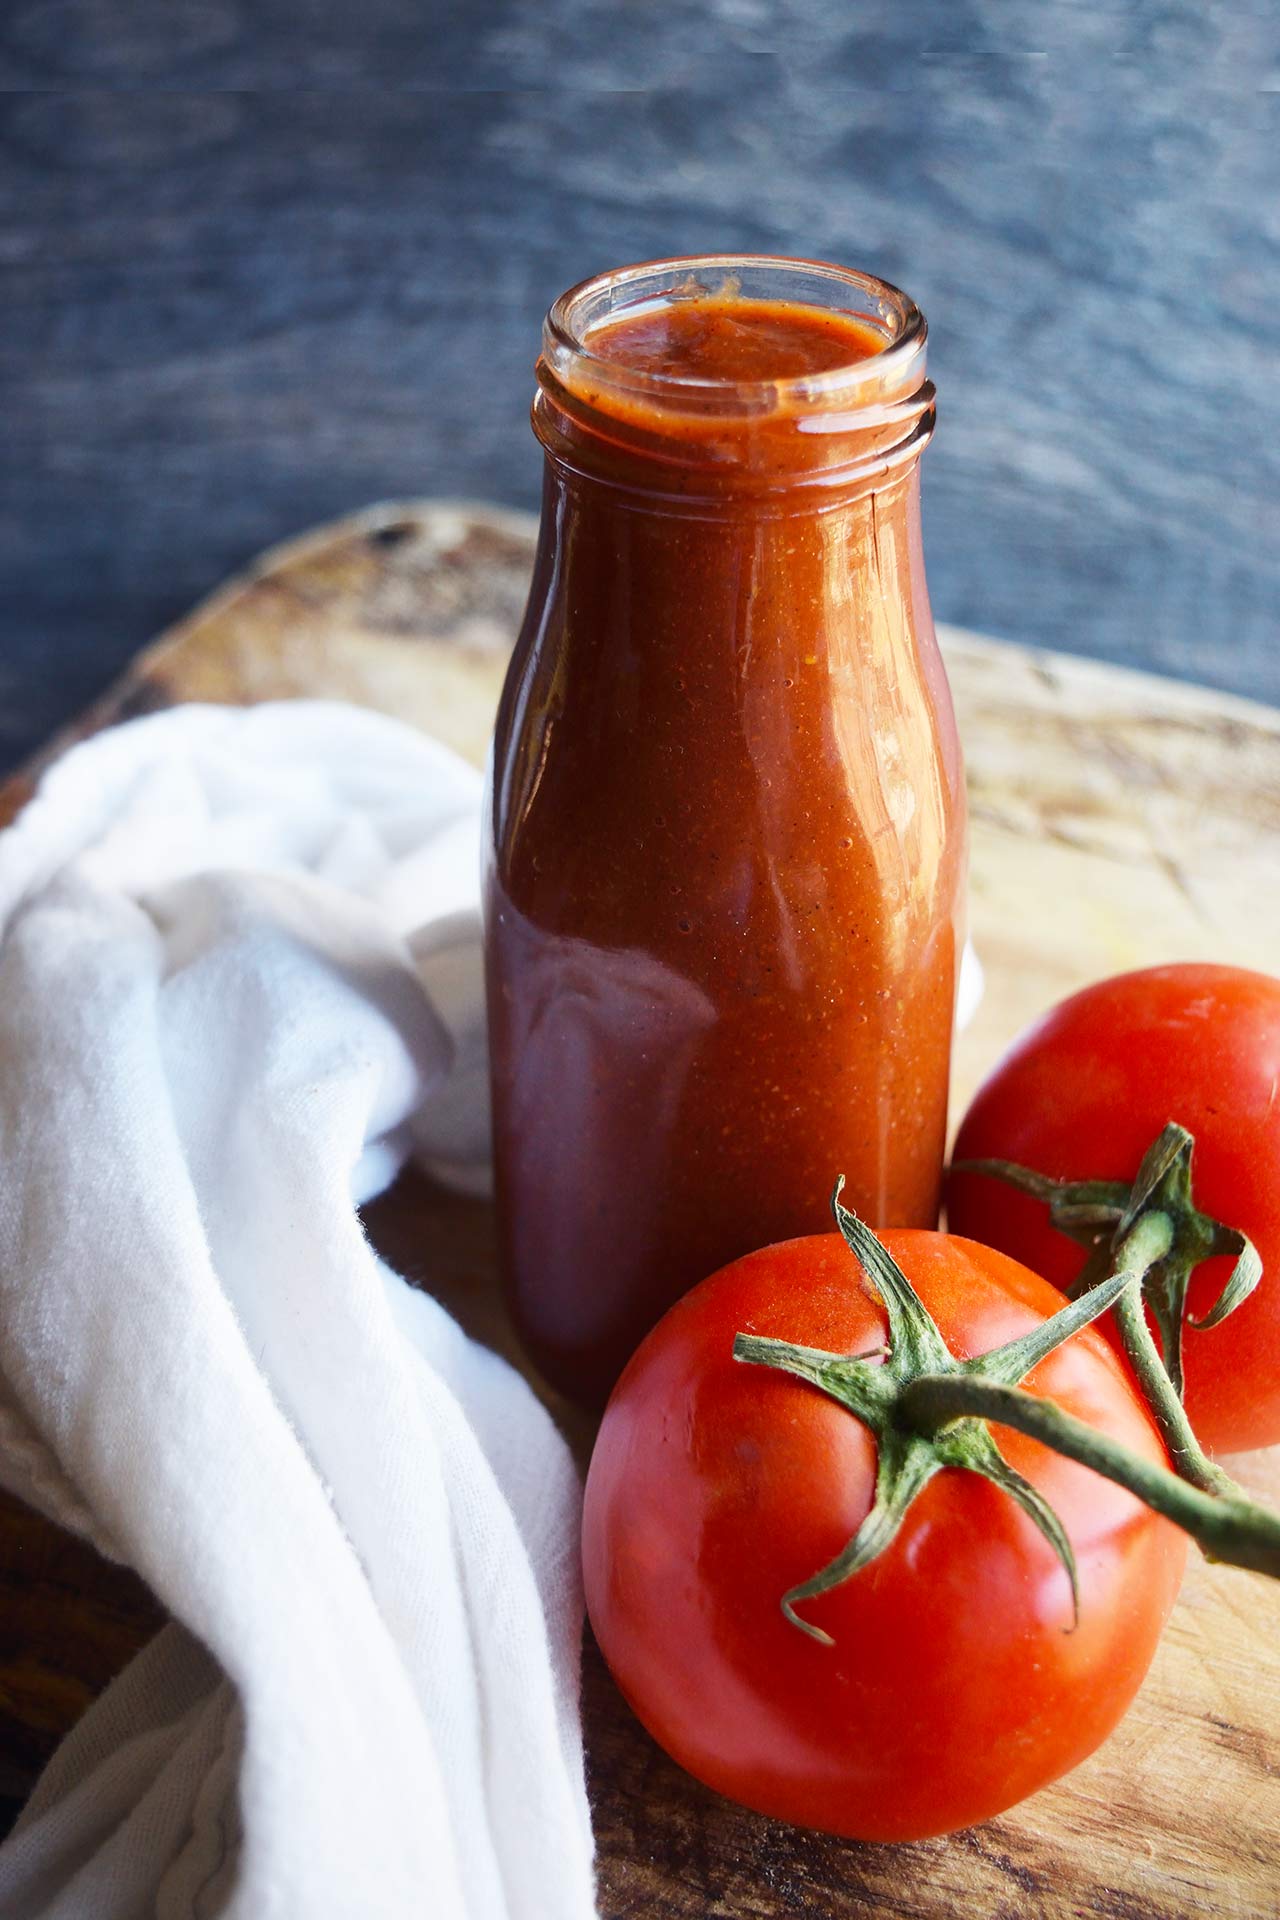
{"points": [[1101, 1215], [929, 1410], [1227, 1526], [1191, 1462]]}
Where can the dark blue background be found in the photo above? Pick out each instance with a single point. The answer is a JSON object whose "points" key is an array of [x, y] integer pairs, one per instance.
{"points": [[228, 313]]}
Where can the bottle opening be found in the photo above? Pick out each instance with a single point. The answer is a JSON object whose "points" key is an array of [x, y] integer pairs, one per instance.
{"points": [[736, 332]]}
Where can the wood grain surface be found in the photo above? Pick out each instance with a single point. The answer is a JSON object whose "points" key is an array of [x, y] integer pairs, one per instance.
{"points": [[1118, 820], [255, 275]]}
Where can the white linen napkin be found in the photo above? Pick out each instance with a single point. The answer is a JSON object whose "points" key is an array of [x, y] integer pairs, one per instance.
{"points": [[238, 971]]}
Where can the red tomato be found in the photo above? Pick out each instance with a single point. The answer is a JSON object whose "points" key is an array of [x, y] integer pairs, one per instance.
{"points": [[955, 1685], [1083, 1094]]}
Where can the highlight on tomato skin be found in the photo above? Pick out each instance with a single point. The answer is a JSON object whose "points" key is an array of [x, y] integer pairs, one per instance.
{"points": [[955, 1684], [1081, 1095]]}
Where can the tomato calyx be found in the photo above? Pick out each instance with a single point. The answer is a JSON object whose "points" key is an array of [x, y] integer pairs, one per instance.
{"points": [[1097, 1213], [874, 1388], [928, 1409], [1100, 1215]]}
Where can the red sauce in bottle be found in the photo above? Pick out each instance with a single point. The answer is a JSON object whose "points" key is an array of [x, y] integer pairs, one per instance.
{"points": [[729, 339], [725, 873]]}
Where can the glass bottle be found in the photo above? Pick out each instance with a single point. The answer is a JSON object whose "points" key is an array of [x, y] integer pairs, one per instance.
{"points": [[726, 829]]}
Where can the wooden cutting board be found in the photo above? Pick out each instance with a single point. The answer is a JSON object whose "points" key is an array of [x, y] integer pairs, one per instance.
{"points": [[1118, 820]]}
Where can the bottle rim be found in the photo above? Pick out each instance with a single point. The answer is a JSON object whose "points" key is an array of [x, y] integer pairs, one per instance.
{"points": [[895, 371]]}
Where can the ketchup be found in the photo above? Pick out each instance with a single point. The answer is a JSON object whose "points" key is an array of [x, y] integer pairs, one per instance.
{"points": [[726, 845], [720, 339]]}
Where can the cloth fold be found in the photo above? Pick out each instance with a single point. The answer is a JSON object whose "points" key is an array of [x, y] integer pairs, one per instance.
{"points": [[238, 985]]}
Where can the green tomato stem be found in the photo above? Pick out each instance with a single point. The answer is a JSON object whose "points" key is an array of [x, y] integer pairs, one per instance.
{"points": [[1190, 1460], [929, 1410], [1158, 1236], [1227, 1526]]}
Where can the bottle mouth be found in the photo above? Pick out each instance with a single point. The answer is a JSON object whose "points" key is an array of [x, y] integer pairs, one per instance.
{"points": [[575, 352]]}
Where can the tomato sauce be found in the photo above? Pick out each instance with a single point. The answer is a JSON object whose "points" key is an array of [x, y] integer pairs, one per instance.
{"points": [[732, 339], [727, 825]]}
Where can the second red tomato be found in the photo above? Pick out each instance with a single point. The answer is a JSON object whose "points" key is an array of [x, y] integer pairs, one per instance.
{"points": [[1082, 1095]]}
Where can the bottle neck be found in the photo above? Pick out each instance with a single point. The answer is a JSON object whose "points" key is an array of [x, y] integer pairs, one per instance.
{"points": [[734, 384], [767, 466]]}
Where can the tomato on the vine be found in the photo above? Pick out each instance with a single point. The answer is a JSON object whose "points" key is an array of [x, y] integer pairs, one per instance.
{"points": [[954, 1683], [1082, 1094]]}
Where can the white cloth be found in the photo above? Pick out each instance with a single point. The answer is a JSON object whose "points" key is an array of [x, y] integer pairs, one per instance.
{"points": [[237, 971]]}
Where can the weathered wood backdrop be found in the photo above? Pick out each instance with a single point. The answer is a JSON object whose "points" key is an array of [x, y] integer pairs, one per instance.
{"points": [[229, 313]]}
